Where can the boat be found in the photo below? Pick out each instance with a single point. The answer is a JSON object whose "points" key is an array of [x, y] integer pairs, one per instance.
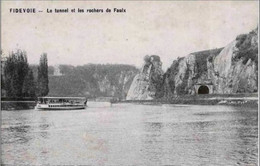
{"points": [[61, 103]]}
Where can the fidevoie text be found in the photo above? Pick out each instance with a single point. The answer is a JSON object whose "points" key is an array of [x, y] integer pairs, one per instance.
{"points": [[22, 10]]}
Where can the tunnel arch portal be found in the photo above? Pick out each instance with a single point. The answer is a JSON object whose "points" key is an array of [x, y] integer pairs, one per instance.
{"points": [[203, 89]]}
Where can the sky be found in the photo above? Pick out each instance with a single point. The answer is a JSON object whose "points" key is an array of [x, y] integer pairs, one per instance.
{"points": [[169, 29]]}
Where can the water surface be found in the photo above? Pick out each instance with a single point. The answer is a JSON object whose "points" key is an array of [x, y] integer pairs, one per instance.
{"points": [[131, 134]]}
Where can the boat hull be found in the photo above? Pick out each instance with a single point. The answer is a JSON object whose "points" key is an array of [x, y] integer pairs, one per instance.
{"points": [[59, 108]]}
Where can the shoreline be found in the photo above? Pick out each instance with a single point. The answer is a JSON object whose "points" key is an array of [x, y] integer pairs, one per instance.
{"points": [[235, 100], [17, 105], [197, 102], [239, 100]]}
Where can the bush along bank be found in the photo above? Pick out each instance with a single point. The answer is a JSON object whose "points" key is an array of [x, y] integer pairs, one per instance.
{"points": [[17, 105]]}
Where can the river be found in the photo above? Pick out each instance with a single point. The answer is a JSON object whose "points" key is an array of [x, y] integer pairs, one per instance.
{"points": [[132, 134]]}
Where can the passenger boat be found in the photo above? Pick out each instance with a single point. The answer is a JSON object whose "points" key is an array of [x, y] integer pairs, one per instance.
{"points": [[61, 103]]}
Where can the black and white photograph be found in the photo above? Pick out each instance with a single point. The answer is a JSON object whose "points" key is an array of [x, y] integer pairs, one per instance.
{"points": [[120, 83]]}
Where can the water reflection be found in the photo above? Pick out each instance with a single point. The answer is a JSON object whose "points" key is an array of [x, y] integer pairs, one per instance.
{"points": [[152, 143], [18, 135], [19, 129], [247, 133], [132, 135], [212, 137], [43, 127]]}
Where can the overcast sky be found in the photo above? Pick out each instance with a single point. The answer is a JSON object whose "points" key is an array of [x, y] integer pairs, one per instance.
{"points": [[164, 28]]}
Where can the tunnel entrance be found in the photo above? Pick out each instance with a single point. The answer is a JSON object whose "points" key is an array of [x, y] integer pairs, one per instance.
{"points": [[203, 90]]}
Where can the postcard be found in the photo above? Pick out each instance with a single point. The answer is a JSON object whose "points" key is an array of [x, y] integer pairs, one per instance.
{"points": [[129, 82]]}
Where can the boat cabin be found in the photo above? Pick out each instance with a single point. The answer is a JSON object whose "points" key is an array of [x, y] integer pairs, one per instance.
{"points": [[61, 103]]}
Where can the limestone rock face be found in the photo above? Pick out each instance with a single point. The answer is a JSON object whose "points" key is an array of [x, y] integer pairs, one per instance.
{"points": [[146, 85], [227, 70], [186, 72], [235, 70], [232, 69]]}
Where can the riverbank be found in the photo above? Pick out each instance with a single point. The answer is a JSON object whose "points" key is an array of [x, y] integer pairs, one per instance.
{"points": [[17, 105], [211, 99], [247, 100]]}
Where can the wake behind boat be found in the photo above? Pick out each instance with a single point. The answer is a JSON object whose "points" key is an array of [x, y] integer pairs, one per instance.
{"points": [[61, 103]]}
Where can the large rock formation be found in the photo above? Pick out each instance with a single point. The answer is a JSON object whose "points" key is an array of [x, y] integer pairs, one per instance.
{"points": [[232, 69], [148, 83], [187, 72], [92, 80], [235, 69]]}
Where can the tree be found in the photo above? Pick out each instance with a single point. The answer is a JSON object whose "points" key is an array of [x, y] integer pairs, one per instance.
{"points": [[15, 70], [42, 80], [29, 87], [2, 81], [2, 76]]}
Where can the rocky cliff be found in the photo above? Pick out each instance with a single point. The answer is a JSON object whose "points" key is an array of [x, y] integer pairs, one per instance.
{"points": [[188, 71], [232, 69], [227, 70], [147, 84], [235, 69], [92, 80]]}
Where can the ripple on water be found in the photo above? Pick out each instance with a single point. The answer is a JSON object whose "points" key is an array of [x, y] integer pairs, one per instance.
{"points": [[131, 134]]}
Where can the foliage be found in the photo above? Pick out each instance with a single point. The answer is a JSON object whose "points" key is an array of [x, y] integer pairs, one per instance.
{"points": [[157, 82], [2, 76], [182, 88], [42, 77], [240, 40], [29, 87], [155, 58], [201, 63], [15, 75], [210, 58], [35, 70], [93, 80], [147, 59], [246, 50], [201, 58], [2, 81], [50, 70], [66, 69], [171, 73]]}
